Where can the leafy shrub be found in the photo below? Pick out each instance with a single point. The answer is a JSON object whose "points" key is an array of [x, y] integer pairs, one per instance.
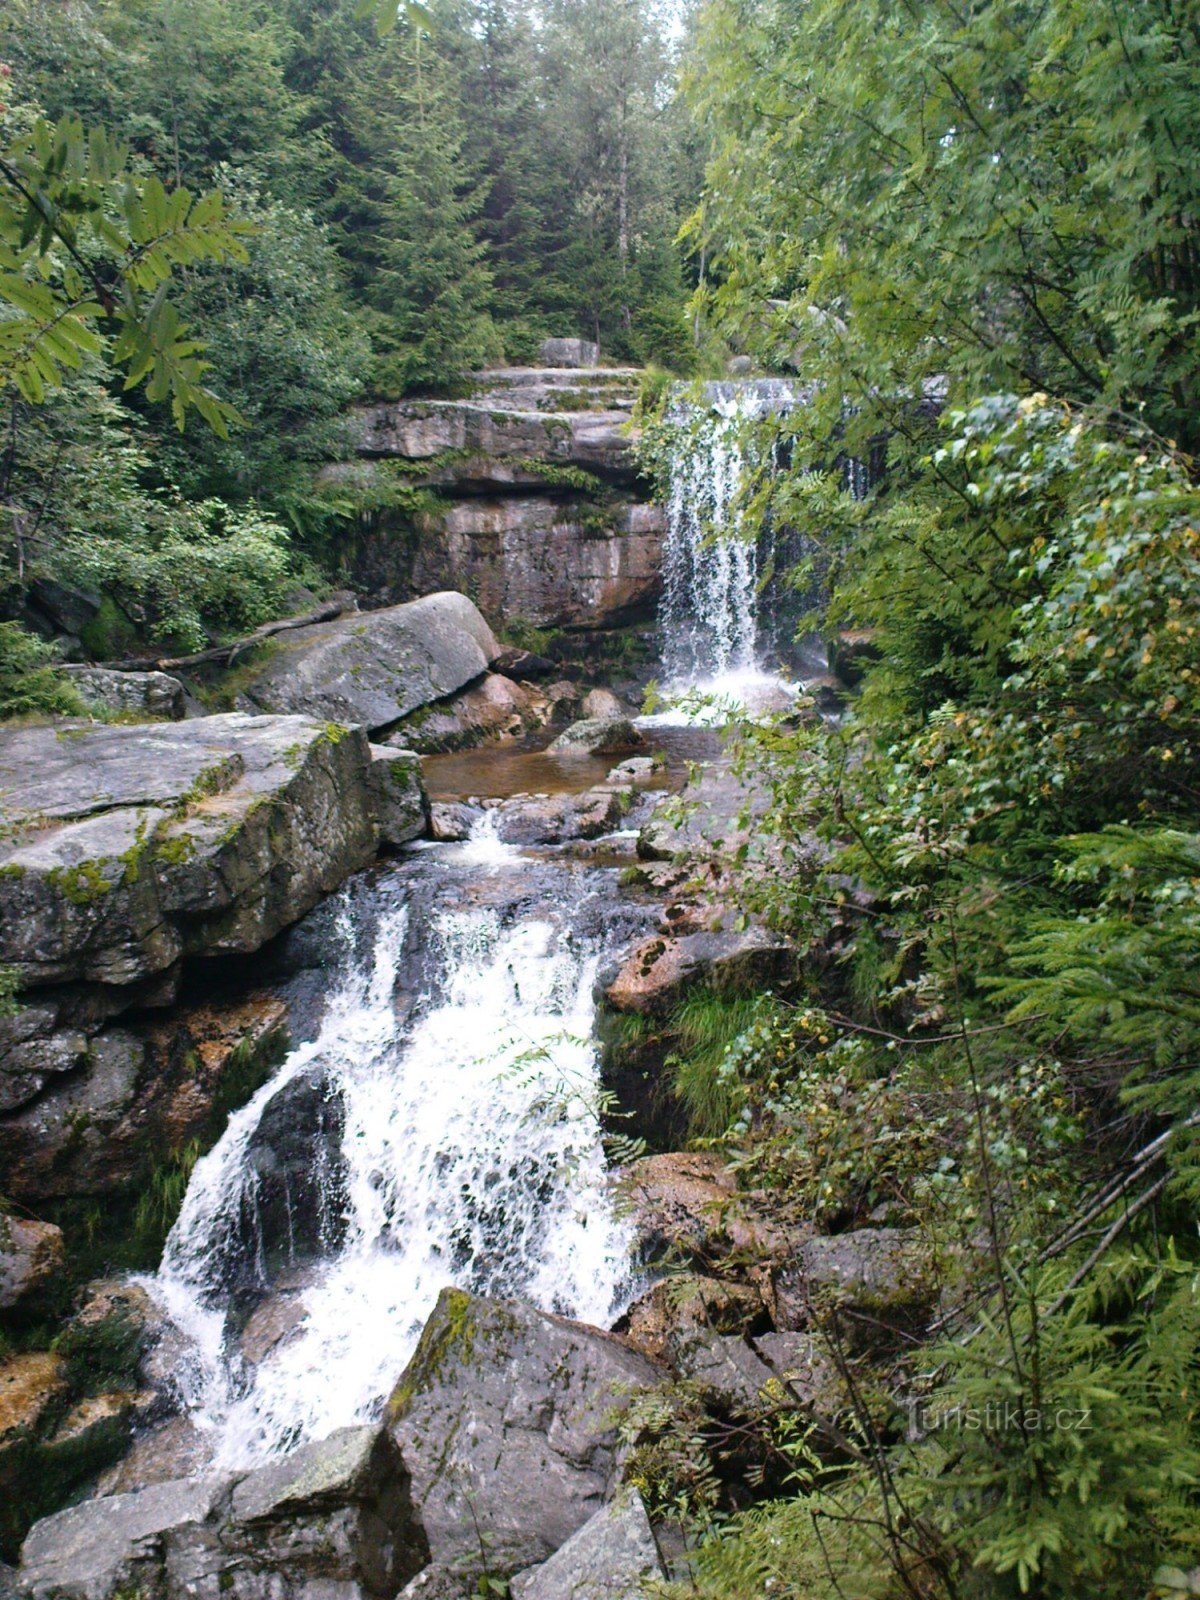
{"points": [[29, 683]]}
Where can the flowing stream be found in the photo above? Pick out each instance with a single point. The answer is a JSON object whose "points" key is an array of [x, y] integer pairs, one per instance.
{"points": [[440, 1128], [440, 1123]]}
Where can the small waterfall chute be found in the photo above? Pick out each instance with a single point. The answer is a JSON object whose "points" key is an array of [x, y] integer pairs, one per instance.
{"points": [[470, 1153]]}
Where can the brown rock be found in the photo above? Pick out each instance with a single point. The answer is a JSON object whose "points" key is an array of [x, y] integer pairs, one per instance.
{"points": [[656, 975], [147, 1089], [28, 1384], [679, 1307], [494, 708], [686, 1205]]}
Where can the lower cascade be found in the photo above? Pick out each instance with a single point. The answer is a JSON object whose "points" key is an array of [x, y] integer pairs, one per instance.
{"points": [[440, 1128]]}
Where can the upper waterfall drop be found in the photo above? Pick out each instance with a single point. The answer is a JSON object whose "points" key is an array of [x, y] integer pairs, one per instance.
{"points": [[715, 561]]}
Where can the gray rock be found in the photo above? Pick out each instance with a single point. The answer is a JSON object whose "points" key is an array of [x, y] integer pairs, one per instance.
{"points": [[506, 1418], [35, 1047], [401, 804], [805, 1366], [417, 430], [878, 1281], [608, 1559], [554, 819], [600, 736], [67, 609], [374, 667], [730, 1373], [568, 353], [451, 821], [152, 696], [127, 847], [637, 772], [91, 1551], [522, 666], [31, 1256], [439, 1583], [331, 1521]]}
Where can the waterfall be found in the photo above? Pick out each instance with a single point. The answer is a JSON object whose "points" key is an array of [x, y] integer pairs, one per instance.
{"points": [[724, 618], [709, 614], [469, 1152]]}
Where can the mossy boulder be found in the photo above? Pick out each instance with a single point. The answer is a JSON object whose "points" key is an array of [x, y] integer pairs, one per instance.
{"points": [[127, 847], [507, 1419]]}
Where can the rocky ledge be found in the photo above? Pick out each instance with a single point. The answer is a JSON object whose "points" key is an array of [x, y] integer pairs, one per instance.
{"points": [[532, 498], [126, 850]]}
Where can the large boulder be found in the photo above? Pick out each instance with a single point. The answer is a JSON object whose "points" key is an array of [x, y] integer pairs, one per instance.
{"points": [[610, 1558], [401, 804], [126, 847], [879, 1284], [492, 708], [507, 1420], [331, 1519], [655, 976], [556, 818], [374, 668], [598, 736], [133, 696]]}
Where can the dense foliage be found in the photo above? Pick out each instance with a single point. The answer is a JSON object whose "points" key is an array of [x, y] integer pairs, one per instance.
{"points": [[262, 211], [975, 231]]}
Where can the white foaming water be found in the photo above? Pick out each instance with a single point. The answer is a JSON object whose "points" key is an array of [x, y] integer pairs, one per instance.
{"points": [[712, 574], [470, 1154], [483, 847]]}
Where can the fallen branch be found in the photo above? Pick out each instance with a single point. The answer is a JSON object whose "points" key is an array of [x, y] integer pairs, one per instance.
{"points": [[228, 653]]}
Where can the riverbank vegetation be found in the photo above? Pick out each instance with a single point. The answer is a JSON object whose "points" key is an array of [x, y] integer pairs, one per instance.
{"points": [[975, 231]]}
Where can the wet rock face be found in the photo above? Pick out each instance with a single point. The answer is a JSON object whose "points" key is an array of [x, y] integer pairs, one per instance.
{"points": [[332, 1518], [140, 1092], [540, 511], [556, 563], [374, 668], [31, 1256], [506, 1420], [557, 818], [610, 1558]]}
